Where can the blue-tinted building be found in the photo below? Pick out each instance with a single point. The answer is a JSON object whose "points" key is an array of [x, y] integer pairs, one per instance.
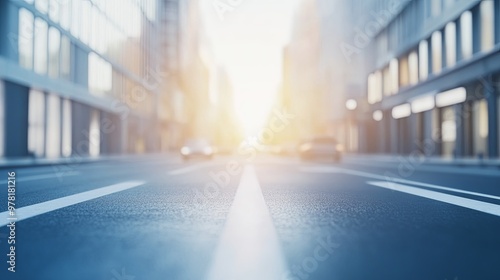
{"points": [[425, 75], [433, 78], [83, 78]]}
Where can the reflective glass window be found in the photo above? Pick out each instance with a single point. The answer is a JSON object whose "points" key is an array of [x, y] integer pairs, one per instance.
{"points": [[36, 123], [466, 34], [25, 38], [40, 62], [54, 52]]}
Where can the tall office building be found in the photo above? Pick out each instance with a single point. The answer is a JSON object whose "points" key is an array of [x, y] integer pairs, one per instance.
{"points": [[195, 70], [424, 75], [82, 78], [432, 84], [301, 80]]}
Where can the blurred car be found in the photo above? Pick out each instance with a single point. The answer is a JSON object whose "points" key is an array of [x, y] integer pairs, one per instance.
{"points": [[197, 148], [321, 148]]}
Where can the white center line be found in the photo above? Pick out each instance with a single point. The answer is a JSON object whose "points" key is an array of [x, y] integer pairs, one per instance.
{"points": [[20, 178], [51, 205], [329, 169], [485, 207], [249, 248]]}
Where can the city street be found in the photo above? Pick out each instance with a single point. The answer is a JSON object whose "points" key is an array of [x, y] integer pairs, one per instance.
{"points": [[157, 217], [250, 140]]}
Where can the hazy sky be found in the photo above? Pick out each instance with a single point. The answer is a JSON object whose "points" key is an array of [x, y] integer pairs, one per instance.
{"points": [[248, 42]]}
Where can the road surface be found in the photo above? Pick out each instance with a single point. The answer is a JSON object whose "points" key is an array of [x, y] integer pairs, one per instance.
{"points": [[157, 217]]}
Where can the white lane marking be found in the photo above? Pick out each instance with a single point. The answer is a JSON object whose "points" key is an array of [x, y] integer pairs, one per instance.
{"points": [[249, 248], [187, 169], [20, 177], [481, 206], [325, 169], [55, 204]]}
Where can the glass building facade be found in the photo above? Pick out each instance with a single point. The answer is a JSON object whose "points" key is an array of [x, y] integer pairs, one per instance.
{"points": [[447, 56], [80, 78]]}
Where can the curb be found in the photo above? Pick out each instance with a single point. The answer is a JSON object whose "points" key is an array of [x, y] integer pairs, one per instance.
{"points": [[31, 162]]}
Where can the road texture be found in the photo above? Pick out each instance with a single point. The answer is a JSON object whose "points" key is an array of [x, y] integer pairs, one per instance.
{"points": [[148, 218]]}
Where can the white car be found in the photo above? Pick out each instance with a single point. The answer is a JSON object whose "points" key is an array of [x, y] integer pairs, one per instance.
{"points": [[199, 148]]}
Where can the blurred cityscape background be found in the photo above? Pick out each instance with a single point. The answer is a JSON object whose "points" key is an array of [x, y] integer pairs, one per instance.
{"points": [[101, 77]]}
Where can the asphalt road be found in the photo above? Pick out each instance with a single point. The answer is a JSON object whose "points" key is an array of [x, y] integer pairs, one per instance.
{"points": [[150, 218]]}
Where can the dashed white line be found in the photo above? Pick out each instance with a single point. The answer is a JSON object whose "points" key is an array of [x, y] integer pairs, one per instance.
{"points": [[249, 247], [41, 176], [55, 204], [481, 206], [329, 169]]}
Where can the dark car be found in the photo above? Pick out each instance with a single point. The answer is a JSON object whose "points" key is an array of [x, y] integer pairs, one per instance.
{"points": [[200, 148], [321, 148]]}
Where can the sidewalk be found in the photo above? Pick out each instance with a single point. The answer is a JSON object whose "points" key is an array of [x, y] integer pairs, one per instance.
{"points": [[30, 162]]}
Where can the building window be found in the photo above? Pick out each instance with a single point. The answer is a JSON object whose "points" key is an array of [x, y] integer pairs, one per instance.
{"points": [[42, 5], [100, 74], [451, 44], [437, 52], [375, 87], [387, 82], [75, 18], [65, 58], [480, 127], [55, 9], [487, 10], [448, 131], [54, 52], [25, 38], [131, 24], [41, 30], [65, 15], [394, 72], [66, 128], [36, 123], [371, 88], [53, 126], [466, 34], [423, 52], [102, 39], [85, 23], [404, 75], [94, 133], [95, 29], [413, 68], [401, 111], [378, 86], [149, 7]]}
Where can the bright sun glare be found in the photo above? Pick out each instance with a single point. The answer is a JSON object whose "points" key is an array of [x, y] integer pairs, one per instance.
{"points": [[248, 42]]}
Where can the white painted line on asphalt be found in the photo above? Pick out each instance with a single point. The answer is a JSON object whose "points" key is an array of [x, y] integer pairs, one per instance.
{"points": [[249, 248], [20, 178], [187, 169], [329, 169], [481, 206], [27, 212]]}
